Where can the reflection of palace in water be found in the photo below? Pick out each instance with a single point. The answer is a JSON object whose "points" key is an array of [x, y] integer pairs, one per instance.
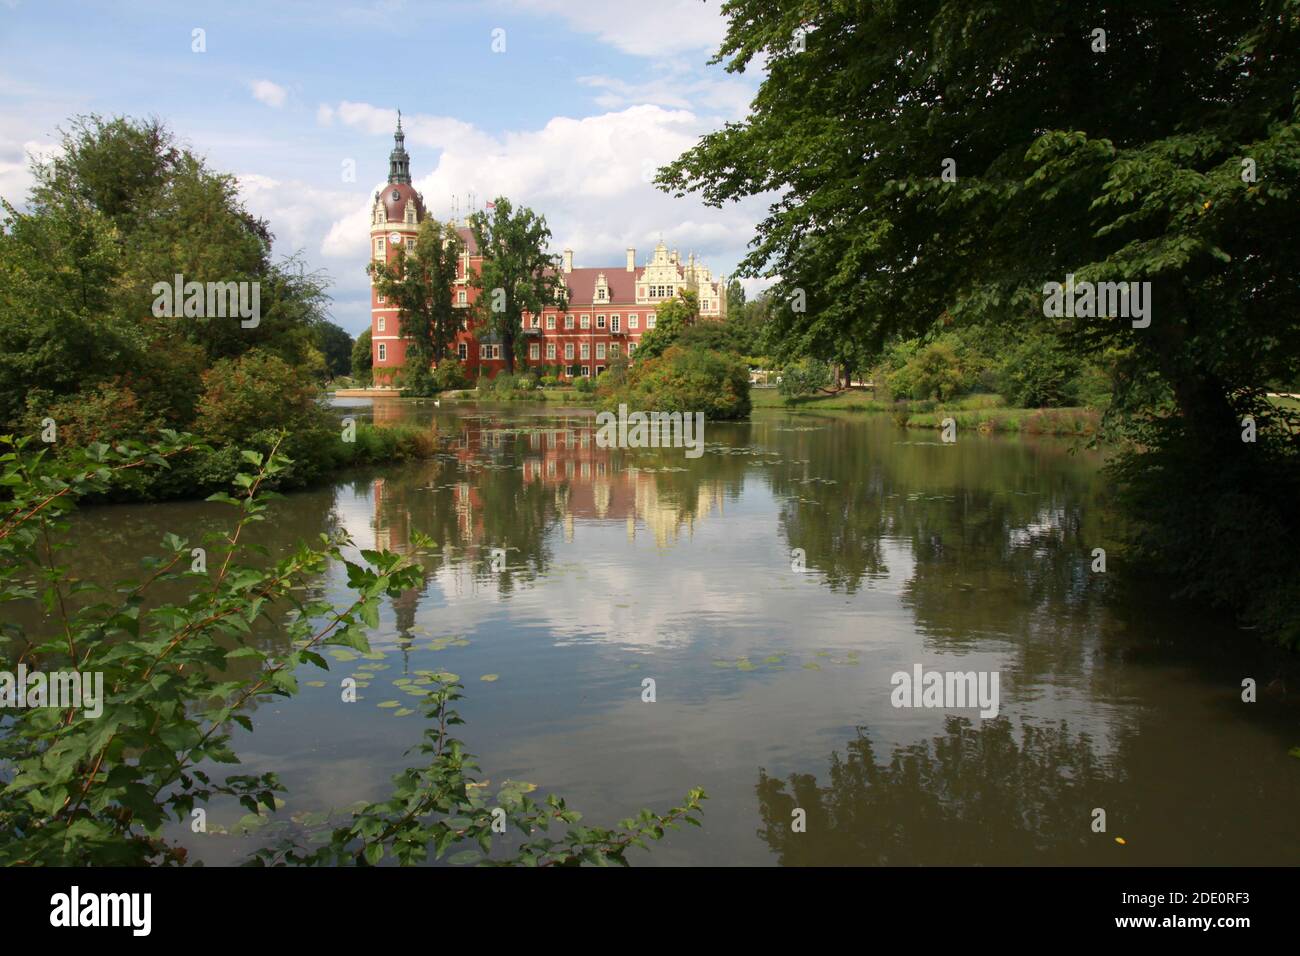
{"points": [[586, 482]]}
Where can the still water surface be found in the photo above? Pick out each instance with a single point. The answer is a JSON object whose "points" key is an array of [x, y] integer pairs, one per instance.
{"points": [[773, 685]]}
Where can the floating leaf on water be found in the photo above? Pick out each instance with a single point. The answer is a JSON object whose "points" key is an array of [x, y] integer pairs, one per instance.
{"points": [[390, 703], [465, 857], [404, 712], [461, 643], [402, 680], [314, 683], [490, 677], [812, 666], [773, 659], [374, 656], [722, 663], [341, 655], [745, 666]]}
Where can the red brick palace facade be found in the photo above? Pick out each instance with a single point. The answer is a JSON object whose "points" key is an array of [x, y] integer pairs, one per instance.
{"points": [[609, 307]]}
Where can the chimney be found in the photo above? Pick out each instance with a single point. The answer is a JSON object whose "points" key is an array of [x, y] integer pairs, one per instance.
{"points": [[568, 260], [631, 260]]}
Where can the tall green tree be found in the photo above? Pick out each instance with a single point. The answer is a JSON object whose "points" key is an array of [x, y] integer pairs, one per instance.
{"points": [[335, 345], [517, 274], [362, 359], [950, 161], [422, 287]]}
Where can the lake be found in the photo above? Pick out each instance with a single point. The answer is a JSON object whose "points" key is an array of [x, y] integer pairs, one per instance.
{"points": [[771, 589]]}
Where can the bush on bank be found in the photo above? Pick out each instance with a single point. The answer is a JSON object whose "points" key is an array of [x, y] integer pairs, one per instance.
{"points": [[683, 379]]}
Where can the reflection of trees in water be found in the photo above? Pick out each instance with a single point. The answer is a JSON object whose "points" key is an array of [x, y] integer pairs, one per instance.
{"points": [[983, 795], [496, 485]]}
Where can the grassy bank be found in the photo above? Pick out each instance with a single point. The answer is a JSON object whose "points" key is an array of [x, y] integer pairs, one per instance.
{"points": [[985, 413]]}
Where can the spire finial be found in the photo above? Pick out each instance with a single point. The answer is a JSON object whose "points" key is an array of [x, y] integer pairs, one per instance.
{"points": [[399, 120]]}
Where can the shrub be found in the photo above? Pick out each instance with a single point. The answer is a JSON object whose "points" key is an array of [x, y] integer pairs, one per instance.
{"points": [[585, 385], [804, 377], [449, 375], [253, 393], [934, 372], [1039, 373], [685, 380]]}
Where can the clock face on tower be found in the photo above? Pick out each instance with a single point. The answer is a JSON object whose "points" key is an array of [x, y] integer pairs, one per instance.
{"points": [[395, 238]]}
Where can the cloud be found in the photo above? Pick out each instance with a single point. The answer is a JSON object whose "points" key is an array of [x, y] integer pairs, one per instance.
{"points": [[272, 94], [15, 166], [590, 177], [661, 28], [325, 115]]}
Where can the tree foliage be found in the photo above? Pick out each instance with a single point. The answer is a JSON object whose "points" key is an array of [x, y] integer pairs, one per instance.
{"points": [[517, 274]]}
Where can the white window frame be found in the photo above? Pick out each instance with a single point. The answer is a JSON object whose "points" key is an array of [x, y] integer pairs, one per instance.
{"points": [[632, 321], [381, 353], [600, 350], [568, 351], [586, 350], [550, 351], [380, 323], [535, 351]]}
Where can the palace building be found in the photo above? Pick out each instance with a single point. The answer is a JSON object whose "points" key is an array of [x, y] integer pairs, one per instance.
{"points": [[609, 307]]}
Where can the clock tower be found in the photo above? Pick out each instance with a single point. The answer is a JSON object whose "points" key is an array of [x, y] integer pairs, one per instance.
{"points": [[395, 218]]}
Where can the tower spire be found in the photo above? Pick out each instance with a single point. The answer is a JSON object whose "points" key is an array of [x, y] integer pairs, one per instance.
{"points": [[399, 162]]}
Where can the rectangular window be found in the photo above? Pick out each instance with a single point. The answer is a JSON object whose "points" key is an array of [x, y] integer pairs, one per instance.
{"points": [[550, 321], [383, 352], [534, 351], [600, 369], [381, 300], [613, 349], [482, 352], [379, 248], [550, 350], [633, 322], [410, 245], [381, 323], [613, 323], [568, 350], [649, 320], [536, 321], [496, 352], [586, 350], [600, 321], [586, 371], [586, 321], [631, 347], [600, 350], [460, 297], [568, 320], [462, 351]]}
